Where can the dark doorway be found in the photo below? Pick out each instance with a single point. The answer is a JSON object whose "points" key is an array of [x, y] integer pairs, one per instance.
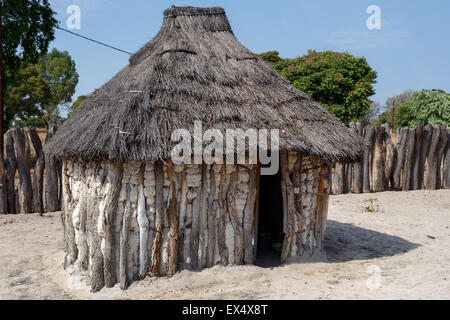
{"points": [[270, 222]]}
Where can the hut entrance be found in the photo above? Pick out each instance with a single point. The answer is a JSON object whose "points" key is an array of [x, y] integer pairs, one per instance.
{"points": [[270, 221]]}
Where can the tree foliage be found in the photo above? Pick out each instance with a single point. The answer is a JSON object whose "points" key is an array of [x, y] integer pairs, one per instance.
{"points": [[28, 27], [39, 90], [77, 102], [340, 82], [428, 106]]}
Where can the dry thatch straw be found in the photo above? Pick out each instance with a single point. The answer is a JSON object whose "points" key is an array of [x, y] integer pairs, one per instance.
{"points": [[196, 69]]}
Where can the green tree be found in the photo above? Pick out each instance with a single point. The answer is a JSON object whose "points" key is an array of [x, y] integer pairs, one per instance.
{"points": [[77, 102], [28, 27], [406, 109], [340, 82], [430, 106], [59, 70], [39, 90]]}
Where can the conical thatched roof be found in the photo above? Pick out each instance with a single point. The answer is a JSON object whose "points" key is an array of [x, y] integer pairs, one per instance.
{"points": [[196, 69]]}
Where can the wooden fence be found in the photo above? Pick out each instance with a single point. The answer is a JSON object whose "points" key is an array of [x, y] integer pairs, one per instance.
{"points": [[408, 159], [29, 184]]}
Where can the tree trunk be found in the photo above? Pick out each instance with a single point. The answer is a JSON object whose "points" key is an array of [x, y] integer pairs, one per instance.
{"points": [[402, 136], [446, 170], [11, 166], [417, 175], [432, 159], [426, 139], [23, 166], [379, 154], [38, 174], [109, 221], [369, 133], [409, 159], [338, 178], [440, 155], [51, 175], [357, 166]]}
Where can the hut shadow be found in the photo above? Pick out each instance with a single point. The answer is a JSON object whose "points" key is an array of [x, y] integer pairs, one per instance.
{"points": [[345, 242]]}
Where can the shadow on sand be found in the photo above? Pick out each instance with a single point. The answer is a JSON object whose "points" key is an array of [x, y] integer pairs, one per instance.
{"points": [[345, 242]]}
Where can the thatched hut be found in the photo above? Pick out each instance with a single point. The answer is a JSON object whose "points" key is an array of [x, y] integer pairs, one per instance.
{"points": [[129, 211]]}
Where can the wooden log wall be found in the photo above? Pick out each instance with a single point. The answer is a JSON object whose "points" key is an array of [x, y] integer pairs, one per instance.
{"points": [[168, 217], [408, 159], [23, 179]]}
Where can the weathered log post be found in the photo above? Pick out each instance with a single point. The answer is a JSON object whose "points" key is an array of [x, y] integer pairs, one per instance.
{"points": [[409, 159], [369, 133], [431, 179], [23, 166], [51, 175], [440, 155], [426, 139], [378, 162], [389, 159], [357, 166], [402, 136], [417, 174], [446, 165], [3, 188], [11, 167], [338, 178], [38, 176]]}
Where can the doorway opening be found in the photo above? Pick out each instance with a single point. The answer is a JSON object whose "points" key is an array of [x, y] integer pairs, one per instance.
{"points": [[270, 221]]}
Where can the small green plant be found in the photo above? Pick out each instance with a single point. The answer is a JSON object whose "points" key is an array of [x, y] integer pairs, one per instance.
{"points": [[371, 205]]}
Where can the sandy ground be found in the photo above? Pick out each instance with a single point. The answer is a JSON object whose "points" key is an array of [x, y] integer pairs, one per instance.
{"points": [[402, 251]]}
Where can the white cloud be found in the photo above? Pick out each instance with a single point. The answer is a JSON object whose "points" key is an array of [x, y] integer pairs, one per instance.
{"points": [[368, 39]]}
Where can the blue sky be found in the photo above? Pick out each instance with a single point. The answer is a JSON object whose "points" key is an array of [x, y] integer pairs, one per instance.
{"points": [[410, 51]]}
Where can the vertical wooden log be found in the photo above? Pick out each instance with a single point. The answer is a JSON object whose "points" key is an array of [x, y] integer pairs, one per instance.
{"points": [[290, 207], [390, 154], [143, 224], [195, 230], [432, 161], [212, 211], [124, 280], [348, 177], [249, 216], [338, 178], [10, 172], [369, 133], [417, 174], [440, 156], [426, 139], [402, 136], [298, 202], [51, 175], [409, 159], [173, 223], [109, 224], [203, 232], [223, 250], [357, 166], [69, 231], [238, 250], [156, 249], [182, 215], [3, 187], [38, 174], [256, 214], [94, 240], [378, 162], [446, 170], [23, 167]]}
